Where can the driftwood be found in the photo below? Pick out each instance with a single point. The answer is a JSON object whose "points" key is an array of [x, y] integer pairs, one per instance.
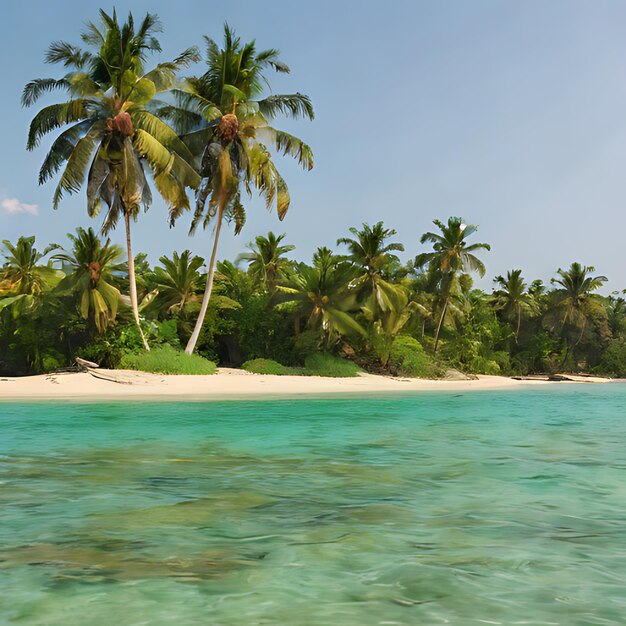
{"points": [[109, 377], [94, 370], [86, 365]]}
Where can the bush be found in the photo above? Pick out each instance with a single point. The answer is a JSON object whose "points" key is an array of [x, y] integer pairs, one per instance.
{"points": [[407, 358], [167, 360], [306, 344], [482, 365], [319, 364], [267, 366], [324, 364], [613, 362]]}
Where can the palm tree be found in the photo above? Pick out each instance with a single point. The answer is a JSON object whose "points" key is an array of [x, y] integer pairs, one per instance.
{"points": [[385, 326], [266, 263], [178, 283], [616, 313], [225, 119], [451, 255], [111, 133], [574, 301], [23, 279], [321, 293], [368, 253], [512, 297], [91, 264]]}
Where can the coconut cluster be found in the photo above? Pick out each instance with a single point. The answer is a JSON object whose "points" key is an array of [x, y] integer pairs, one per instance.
{"points": [[122, 124], [228, 127]]}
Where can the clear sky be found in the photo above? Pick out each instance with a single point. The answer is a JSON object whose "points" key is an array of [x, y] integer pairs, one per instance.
{"points": [[510, 114]]}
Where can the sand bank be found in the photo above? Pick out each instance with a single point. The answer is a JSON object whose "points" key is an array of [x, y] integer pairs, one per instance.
{"points": [[227, 384]]}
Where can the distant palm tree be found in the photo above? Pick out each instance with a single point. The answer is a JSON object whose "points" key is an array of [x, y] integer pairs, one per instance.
{"points": [[178, 284], [225, 121], [111, 132], [512, 297], [574, 301], [451, 255], [369, 254], [616, 312], [321, 294], [23, 278], [91, 264], [267, 264], [384, 326]]}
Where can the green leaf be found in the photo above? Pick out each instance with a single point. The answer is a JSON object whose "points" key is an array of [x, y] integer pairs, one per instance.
{"points": [[161, 132], [142, 92], [84, 304]]}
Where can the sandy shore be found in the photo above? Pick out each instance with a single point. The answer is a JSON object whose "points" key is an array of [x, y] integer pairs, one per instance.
{"points": [[226, 384]]}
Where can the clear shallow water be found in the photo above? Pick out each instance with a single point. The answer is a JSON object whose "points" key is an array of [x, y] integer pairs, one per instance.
{"points": [[434, 508]]}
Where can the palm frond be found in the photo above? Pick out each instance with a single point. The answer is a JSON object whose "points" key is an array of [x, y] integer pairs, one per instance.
{"points": [[294, 147], [36, 88], [61, 149], [295, 105], [74, 174], [55, 116], [163, 133], [68, 54]]}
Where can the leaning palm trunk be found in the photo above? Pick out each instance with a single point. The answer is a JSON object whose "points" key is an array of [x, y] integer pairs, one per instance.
{"points": [[131, 278], [191, 344], [443, 315]]}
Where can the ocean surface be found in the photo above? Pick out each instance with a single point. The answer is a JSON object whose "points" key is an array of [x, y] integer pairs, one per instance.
{"points": [[466, 508]]}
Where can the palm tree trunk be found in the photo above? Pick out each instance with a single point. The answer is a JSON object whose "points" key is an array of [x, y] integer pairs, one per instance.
{"points": [[443, 314], [191, 344], [132, 281], [519, 323]]}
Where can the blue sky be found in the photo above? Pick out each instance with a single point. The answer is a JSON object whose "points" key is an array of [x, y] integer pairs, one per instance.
{"points": [[510, 114]]}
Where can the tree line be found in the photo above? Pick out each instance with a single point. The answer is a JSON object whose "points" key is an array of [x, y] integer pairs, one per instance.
{"points": [[356, 300]]}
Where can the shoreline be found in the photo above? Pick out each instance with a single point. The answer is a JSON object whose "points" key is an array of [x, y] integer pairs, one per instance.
{"points": [[232, 384]]}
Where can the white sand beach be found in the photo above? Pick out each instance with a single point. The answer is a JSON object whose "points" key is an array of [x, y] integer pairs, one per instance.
{"points": [[232, 384]]}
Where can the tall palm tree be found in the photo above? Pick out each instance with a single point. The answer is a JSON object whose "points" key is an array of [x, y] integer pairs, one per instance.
{"points": [[369, 254], [574, 301], [321, 293], [23, 277], [451, 255], [512, 297], [91, 264], [111, 132], [267, 264], [225, 121]]}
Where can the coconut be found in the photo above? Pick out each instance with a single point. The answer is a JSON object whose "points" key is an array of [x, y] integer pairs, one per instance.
{"points": [[228, 127], [122, 124]]}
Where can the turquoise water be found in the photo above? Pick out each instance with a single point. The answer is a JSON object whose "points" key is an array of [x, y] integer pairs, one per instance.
{"points": [[433, 508]]}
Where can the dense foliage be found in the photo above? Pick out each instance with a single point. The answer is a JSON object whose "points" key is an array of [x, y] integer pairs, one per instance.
{"points": [[355, 305], [56, 305]]}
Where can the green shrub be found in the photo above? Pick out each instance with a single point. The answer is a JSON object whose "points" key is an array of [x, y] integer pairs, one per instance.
{"points": [[482, 365], [267, 366], [49, 362], [167, 360], [324, 364], [613, 362], [305, 344], [319, 364], [407, 358]]}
